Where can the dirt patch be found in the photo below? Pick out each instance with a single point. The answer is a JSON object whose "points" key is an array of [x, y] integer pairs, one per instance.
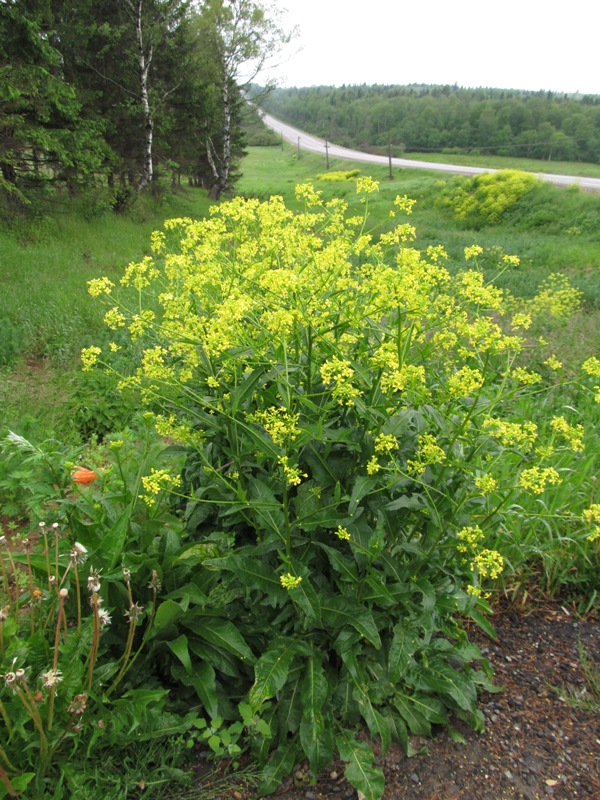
{"points": [[536, 744]]}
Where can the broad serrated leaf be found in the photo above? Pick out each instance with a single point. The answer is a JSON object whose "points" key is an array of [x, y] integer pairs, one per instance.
{"points": [[271, 670], [203, 680], [167, 612], [412, 503], [314, 687], [111, 545], [316, 738], [342, 564], [339, 612], [278, 766], [413, 716], [362, 486], [360, 771], [402, 648], [483, 623], [455, 683], [289, 711], [306, 598], [266, 506], [222, 633], [180, 647], [251, 573]]}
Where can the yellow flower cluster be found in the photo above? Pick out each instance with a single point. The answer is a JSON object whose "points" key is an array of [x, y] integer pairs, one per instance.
{"points": [[473, 251], [338, 372], [572, 433], [521, 321], [465, 382], [592, 516], [486, 484], [293, 476], [592, 367], [404, 203], [278, 423], [511, 434], [89, 357], [386, 443], [553, 363], [98, 286], [366, 185], [525, 376], [469, 537], [536, 479], [489, 563], [288, 581], [342, 533], [159, 480], [429, 453], [556, 297]]}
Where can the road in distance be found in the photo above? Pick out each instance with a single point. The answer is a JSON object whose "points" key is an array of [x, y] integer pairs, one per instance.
{"points": [[305, 141]]}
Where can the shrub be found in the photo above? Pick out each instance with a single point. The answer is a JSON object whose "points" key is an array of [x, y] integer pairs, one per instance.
{"points": [[485, 199], [339, 175], [347, 413]]}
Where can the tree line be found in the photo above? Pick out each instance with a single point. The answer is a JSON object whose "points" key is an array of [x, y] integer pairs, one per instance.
{"points": [[120, 92], [447, 118]]}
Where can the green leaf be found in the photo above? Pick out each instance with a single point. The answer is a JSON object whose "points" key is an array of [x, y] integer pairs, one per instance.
{"points": [[222, 633], [314, 687], [362, 486], [483, 623], [167, 612], [306, 598], [413, 502], [403, 646], [341, 563], [266, 506], [251, 573], [413, 715], [360, 771], [458, 685], [338, 612], [203, 680], [246, 388], [316, 738], [180, 647], [112, 543], [271, 670], [278, 766]]}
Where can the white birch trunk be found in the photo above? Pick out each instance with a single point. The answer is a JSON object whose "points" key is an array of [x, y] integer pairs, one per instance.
{"points": [[144, 62]]}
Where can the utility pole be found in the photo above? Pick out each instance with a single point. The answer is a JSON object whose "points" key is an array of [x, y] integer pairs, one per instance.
{"points": [[390, 176], [298, 148], [327, 154]]}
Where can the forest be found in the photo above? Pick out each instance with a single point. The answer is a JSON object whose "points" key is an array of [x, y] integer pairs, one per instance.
{"points": [[416, 118], [120, 93]]}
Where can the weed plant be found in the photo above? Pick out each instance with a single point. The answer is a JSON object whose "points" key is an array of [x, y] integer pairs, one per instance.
{"points": [[84, 697], [355, 426]]}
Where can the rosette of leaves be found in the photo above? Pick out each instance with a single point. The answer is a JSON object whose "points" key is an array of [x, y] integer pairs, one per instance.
{"points": [[346, 410]]}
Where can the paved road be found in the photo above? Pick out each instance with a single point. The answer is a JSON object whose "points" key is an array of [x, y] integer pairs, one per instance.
{"points": [[308, 142]]}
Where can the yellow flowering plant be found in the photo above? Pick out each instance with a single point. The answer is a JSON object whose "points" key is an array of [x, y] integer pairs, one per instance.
{"points": [[347, 410]]}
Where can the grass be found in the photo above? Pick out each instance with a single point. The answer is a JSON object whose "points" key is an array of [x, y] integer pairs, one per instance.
{"points": [[46, 314]]}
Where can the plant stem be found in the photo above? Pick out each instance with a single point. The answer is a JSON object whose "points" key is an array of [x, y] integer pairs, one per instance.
{"points": [[95, 640], [6, 781]]}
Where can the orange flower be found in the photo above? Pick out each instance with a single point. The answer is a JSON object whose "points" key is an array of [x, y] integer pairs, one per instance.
{"points": [[83, 476]]}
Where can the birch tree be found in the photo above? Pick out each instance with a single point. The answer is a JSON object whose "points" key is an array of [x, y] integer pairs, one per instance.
{"points": [[244, 36]]}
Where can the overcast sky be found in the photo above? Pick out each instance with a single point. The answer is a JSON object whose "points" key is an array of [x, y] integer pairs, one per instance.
{"points": [[509, 44]]}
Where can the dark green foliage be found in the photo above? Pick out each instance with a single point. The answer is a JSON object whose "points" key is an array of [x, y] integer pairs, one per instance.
{"points": [[432, 118]]}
